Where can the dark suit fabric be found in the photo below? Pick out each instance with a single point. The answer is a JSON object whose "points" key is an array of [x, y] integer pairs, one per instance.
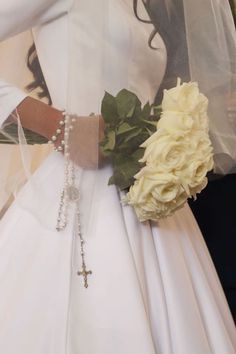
{"points": [[215, 211]]}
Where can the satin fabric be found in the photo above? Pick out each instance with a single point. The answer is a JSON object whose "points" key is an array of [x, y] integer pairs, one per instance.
{"points": [[154, 288]]}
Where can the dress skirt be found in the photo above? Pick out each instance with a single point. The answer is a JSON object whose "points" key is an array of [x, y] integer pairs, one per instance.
{"points": [[153, 287]]}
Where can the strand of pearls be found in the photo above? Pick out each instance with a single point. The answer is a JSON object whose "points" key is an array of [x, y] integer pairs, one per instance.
{"points": [[71, 194], [59, 132], [64, 200]]}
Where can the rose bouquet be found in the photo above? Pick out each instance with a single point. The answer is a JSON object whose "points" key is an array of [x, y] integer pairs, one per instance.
{"points": [[160, 155]]}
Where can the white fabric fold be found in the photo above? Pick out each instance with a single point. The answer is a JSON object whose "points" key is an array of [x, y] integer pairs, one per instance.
{"points": [[149, 293], [16, 17], [10, 98]]}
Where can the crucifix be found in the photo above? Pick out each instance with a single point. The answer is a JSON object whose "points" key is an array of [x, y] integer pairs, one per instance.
{"points": [[84, 272]]}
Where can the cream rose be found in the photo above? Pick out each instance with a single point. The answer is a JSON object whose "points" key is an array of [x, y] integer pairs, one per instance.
{"points": [[155, 195], [202, 145], [186, 98], [177, 156], [201, 121], [200, 162], [166, 153], [175, 123], [199, 187]]}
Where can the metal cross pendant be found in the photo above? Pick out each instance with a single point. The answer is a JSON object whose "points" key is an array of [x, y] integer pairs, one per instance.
{"points": [[84, 272]]}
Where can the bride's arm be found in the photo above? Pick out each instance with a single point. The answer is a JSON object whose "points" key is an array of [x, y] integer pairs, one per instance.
{"points": [[84, 139], [34, 115], [16, 17]]}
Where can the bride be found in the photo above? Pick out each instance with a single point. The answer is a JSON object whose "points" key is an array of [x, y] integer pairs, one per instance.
{"points": [[104, 283]]}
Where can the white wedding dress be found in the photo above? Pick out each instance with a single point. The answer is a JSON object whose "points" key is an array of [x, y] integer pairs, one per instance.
{"points": [[154, 289]]}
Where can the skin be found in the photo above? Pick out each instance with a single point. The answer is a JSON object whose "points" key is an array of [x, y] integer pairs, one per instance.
{"points": [[34, 115], [84, 138]]}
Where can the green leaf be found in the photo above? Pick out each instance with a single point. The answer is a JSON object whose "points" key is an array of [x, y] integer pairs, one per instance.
{"points": [[138, 154], [132, 134], [125, 167], [105, 153], [126, 103], [11, 136], [109, 109], [124, 128], [157, 110], [111, 180], [128, 125], [138, 113], [108, 143], [149, 131], [111, 136], [154, 123], [138, 140], [146, 110], [131, 112]]}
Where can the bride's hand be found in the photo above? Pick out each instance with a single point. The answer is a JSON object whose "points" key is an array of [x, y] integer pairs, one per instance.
{"points": [[84, 138]]}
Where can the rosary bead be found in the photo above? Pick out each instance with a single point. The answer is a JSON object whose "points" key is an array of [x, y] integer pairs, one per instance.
{"points": [[70, 192]]}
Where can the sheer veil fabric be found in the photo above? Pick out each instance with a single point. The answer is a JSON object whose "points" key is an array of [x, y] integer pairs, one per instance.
{"points": [[10, 156], [153, 289], [201, 42], [192, 55]]}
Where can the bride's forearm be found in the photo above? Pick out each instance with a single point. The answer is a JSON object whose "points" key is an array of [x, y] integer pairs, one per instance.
{"points": [[39, 117], [85, 134]]}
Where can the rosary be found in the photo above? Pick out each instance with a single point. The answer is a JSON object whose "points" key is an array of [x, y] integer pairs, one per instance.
{"points": [[70, 193]]}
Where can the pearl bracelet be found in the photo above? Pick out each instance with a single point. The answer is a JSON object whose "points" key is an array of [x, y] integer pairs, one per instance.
{"points": [[58, 132]]}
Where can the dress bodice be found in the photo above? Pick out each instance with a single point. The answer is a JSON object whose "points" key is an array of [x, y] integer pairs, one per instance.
{"points": [[98, 46]]}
